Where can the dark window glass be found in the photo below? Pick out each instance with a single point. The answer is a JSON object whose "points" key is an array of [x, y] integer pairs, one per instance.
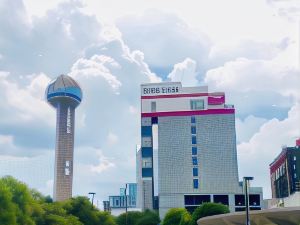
{"points": [[199, 199], [223, 199], [195, 160], [193, 119], [194, 140], [254, 200], [194, 150], [193, 129], [195, 172], [189, 200], [239, 200], [196, 184]]}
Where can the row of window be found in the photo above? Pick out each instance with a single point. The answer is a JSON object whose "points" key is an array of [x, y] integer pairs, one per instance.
{"points": [[194, 105]]}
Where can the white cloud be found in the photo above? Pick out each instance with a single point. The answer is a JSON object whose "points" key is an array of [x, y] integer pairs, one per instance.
{"points": [[112, 138], [103, 165], [97, 66], [246, 128], [185, 72], [256, 154]]}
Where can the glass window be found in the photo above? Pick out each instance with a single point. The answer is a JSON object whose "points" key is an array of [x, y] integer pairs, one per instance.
{"points": [[196, 184], [147, 162], [295, 175], [193, 119], [195, 160], [67, 163], [153, 106], [195, 172], [194, 140], [194, 150], [197, 104], [295, 158], [193, 129]]}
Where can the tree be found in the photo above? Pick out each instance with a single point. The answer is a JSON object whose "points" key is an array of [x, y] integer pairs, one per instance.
{"points": [[7, 208], [185, 218], [132, 218], [176, 216], [148, 218], [27, 209], [208, 209]]}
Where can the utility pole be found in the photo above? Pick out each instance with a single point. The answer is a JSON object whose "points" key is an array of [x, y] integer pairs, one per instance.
{"points": [[126, 202], [246, 191], [93, 194]]}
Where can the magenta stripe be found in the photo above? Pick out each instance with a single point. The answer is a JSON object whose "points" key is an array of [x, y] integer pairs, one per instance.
{"points": [[190, 113], [175, 96]]}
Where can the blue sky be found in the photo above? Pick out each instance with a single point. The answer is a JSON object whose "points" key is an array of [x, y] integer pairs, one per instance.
{"points": [[250, 50]]}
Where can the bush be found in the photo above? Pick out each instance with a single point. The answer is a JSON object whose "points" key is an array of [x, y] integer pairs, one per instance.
{"points": [[148, 218], [177, 216], [208, 209]]}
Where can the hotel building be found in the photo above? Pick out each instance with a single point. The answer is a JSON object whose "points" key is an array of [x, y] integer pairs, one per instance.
{"points": [[194, 133]]}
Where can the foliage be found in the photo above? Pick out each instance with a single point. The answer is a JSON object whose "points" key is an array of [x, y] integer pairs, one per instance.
{"points": [[208, 209], [138, 218], [132, 218], [177, 216], [20, 205], [148, 218]]}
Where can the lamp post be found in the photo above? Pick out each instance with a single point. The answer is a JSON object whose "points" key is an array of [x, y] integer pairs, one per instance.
{"points": [[93, 194], [126, 202], [246, 191]]}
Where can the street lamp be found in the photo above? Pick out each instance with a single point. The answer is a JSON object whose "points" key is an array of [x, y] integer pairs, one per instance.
{"points": [[126, 202], [93, 194], [246, 191]]}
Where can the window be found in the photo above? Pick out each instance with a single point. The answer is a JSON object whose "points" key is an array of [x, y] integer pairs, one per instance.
{"points": [[194, 140], [196, 183], [195, 160], [193, 119], [153, 106], [295, 175], [147, 162], [67, 163], [195, 172], [193, 129], [197, 104], [194, 150], [294, 167], [295, 158]]}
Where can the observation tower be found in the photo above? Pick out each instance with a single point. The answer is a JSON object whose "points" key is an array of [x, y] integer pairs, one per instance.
{"points": [[64, 94]]}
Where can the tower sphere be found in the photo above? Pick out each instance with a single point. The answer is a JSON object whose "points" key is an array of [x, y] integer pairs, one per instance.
{"points": [[63, 89]]}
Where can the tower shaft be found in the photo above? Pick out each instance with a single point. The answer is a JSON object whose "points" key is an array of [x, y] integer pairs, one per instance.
{"points": [[64, 149]]}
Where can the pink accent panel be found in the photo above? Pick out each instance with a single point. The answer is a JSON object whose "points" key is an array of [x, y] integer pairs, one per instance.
{"points": [[216, 100], [275, 165], [190, 113], [298, 142], [175, 96]]}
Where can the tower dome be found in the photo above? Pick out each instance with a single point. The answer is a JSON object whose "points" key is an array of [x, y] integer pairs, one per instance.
{"points": [[63, 88]]}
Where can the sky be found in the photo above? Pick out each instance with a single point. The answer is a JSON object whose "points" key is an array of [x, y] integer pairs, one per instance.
{"points": [[248, 49]]}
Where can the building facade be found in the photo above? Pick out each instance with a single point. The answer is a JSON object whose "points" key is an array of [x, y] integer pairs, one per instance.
{"points": [[64, 94], [285, 172], [196, 149], [118, 204]]}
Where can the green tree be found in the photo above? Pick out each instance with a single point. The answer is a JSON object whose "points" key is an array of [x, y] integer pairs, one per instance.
{"points": [[132, 218], [185, 218], [27, 209], [83, 209], [176, 216], [7, 208], [208, 209], [148, 218]]}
